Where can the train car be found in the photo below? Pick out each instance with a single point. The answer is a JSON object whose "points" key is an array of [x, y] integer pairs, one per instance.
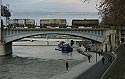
{"points": [[61, 23], [45, 22], [30, 23], [21, 23], [13, 23], [85, 23]]}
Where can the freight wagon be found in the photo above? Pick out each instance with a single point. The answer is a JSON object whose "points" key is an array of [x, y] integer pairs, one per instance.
{"points": [[61, 23], [30, 23], [85, 23], [21, 23]]}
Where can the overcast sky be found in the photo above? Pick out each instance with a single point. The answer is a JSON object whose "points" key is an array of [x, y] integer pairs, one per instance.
{"points": [[25, 6]]}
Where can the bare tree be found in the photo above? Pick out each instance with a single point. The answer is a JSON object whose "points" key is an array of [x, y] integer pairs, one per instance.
{"points": [[112, 11]]}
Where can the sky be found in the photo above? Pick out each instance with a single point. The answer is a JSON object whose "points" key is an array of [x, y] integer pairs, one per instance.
{"points": [[27, 6]]}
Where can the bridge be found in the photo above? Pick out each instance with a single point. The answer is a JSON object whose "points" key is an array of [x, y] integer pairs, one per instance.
{"points": [[107, 37]]}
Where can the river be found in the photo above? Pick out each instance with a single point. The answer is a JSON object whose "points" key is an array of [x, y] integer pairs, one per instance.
{"points": [[36, 60]]}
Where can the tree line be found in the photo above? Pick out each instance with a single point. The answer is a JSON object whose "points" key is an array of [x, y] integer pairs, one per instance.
{"points": [[112, 12]]}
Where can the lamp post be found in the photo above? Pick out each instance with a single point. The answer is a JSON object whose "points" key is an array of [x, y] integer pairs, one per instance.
{"points": [[115, 24], [0, 13], [115, 13], [0, 22], [96, 56]]}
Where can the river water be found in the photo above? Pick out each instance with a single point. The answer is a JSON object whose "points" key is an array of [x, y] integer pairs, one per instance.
{"points": [[36, 60]]}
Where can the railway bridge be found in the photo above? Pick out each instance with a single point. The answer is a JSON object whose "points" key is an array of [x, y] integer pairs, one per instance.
{"points": [[107, 37]]}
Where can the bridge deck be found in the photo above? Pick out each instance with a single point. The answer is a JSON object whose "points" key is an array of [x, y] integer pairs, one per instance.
{"points": [[96, 34]]}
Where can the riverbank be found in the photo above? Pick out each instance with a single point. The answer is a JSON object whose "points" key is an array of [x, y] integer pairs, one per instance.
{"points": [[38, 62]]}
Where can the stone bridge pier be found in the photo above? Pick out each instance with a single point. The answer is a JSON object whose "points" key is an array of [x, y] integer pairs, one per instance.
{"points": [[5, 49], [111, 41]]}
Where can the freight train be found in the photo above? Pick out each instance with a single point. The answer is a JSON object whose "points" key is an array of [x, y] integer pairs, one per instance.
{"points": [[54, 23]]}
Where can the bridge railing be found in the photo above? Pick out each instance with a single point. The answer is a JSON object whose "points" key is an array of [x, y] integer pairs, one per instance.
{"points": [[96, 31]]}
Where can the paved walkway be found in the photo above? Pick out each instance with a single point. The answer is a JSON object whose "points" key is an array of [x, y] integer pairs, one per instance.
{"points": [[117, 69], [78, 69], [96, 71]]}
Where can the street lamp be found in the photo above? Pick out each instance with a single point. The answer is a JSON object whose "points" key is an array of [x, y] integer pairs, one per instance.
{"points": [[1, 23], [115, 14], [96, 56], [0, 12]]}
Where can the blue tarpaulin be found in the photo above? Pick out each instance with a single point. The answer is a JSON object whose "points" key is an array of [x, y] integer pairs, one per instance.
{"points": [[66, 49]]}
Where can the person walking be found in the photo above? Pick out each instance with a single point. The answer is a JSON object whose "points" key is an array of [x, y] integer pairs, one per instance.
{"points": [[103, 60], [101, 52], [110, 59], [89, 57], [67, 66], [98, 51]]}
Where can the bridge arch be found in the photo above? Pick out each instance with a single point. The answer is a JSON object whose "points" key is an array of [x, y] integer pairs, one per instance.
{"points": [[13, 34], [16, 37]]}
